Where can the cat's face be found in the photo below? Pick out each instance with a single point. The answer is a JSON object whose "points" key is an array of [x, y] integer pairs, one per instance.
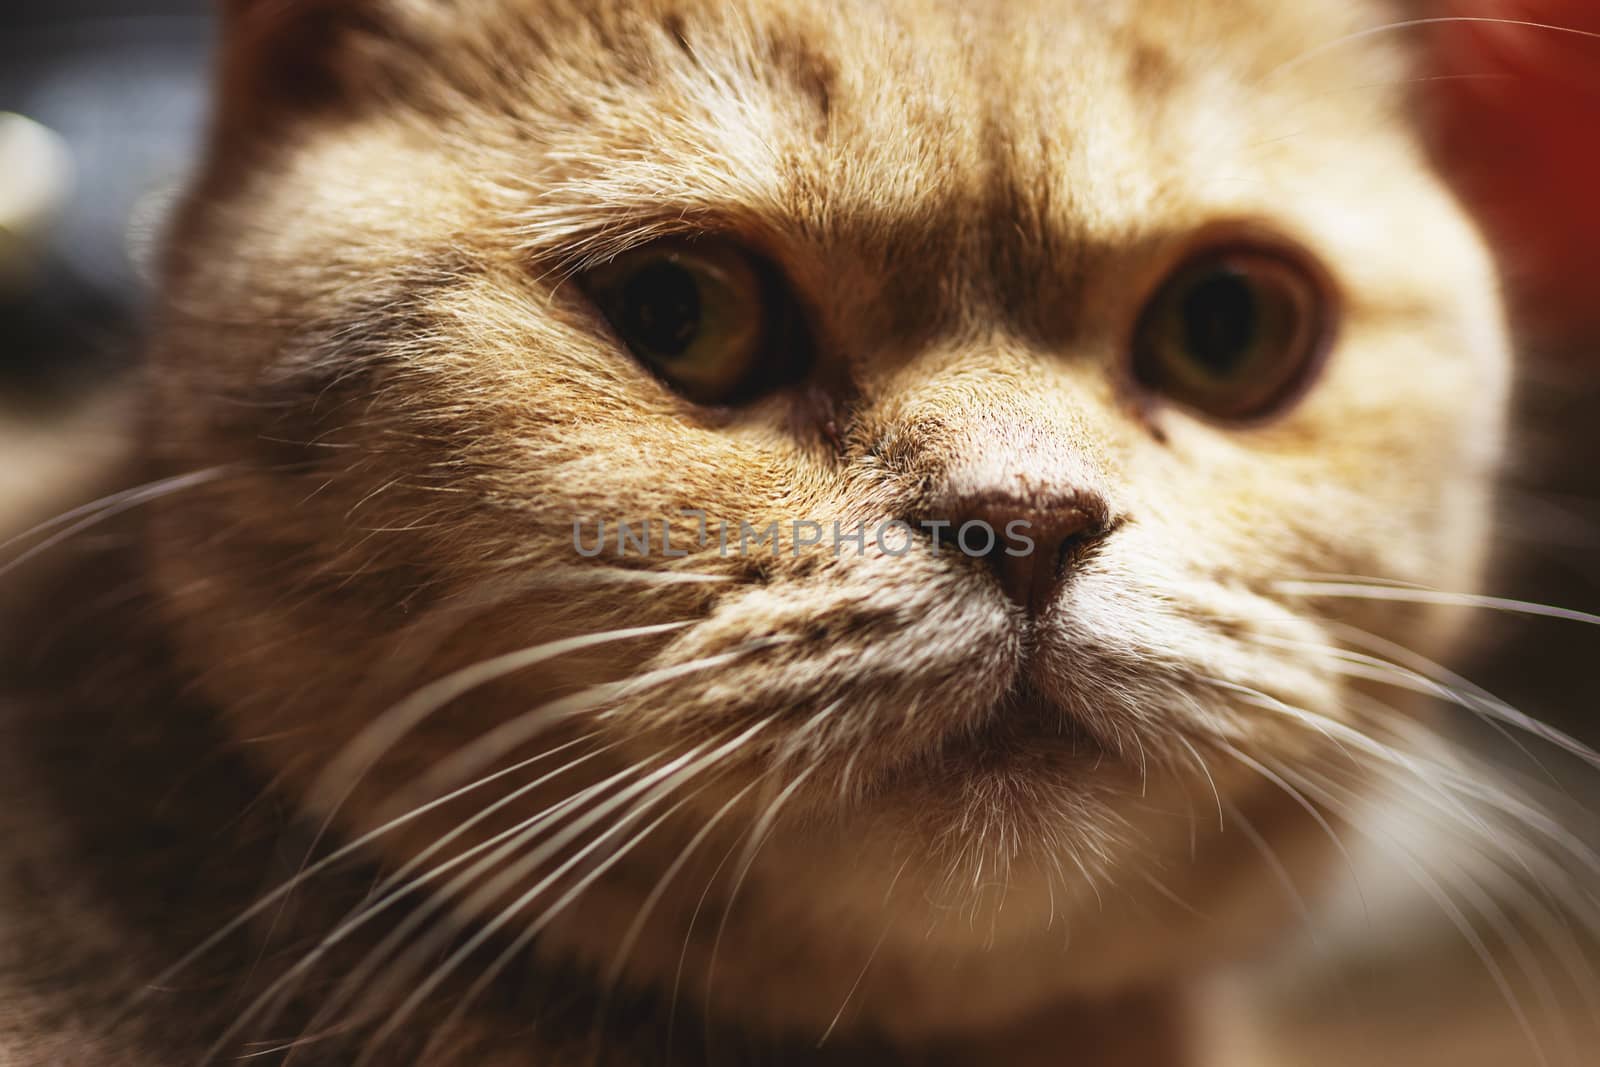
{"points": [[1154, 281]]}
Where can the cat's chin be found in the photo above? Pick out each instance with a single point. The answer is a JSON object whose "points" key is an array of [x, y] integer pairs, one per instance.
{"points": [[1015, 872], [961, 928]]}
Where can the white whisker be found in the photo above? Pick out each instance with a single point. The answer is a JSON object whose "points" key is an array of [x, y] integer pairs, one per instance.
{"points": [[532, 931], [516, 872], [103, 510], [850, 994], [636, 928], [388, 895], [512, 734], [758, 837], [363, 751], [344, 852], [1407, 24], [1415, 595]]}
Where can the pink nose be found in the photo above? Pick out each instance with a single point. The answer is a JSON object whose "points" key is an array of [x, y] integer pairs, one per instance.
{"points": [[1063, 529]]}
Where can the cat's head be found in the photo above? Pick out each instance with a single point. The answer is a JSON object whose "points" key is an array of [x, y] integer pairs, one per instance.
{"points": [[1162, 296]]}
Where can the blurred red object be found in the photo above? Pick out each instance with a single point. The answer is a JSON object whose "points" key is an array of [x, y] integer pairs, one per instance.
{"points": [[1518, 85]]}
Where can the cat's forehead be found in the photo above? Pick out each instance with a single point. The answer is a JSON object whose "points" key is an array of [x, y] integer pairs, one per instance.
{"points": [[914, 69], [999, 140]]}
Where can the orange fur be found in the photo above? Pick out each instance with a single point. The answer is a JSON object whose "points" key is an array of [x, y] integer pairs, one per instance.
{"points": [[369, 320]]}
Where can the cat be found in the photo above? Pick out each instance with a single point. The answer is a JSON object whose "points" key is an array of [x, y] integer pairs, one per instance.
{"points": [[1005, 387]]}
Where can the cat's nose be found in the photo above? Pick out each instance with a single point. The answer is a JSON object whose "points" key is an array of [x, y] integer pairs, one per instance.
{"points": [[1039, 539]]}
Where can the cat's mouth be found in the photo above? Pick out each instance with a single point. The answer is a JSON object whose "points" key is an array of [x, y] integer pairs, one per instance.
{"points": [[1028, 725]]}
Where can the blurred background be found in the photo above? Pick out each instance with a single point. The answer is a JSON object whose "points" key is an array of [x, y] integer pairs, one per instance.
{"points": [[101, 108]]}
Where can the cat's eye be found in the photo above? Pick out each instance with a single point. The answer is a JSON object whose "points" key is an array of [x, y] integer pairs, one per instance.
{"points": [[1235, 333], [707, 316]]}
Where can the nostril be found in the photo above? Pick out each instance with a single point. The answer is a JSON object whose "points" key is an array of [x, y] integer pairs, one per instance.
{"points": [[1075, 544], [1039, 540]]}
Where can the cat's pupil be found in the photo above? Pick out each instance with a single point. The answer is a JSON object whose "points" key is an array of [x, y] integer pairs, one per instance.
{"points": [[1220, 321], [661, 309]]}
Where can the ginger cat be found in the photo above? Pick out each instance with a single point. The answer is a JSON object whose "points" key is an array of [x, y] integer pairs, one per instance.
{"points": [[777, 531]]}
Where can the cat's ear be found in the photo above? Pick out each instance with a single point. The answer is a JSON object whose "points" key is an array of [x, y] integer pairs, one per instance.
{"points": [[281, 56], [1512, 103]]}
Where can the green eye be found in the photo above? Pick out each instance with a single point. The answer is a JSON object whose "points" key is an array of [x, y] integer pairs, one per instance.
{"points": [[1234, 334], [706, 317]]}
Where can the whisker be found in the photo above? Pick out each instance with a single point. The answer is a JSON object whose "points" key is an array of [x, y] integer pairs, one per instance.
{"points": [[368, 912], [850, 994], [1417, 770], [757, 837], [498, 847], [518, 731], [1304, 804], [103, 510], [1280, 873], [514, 874], [1411, 773], [161, 981], [566, 577], [683, 953], [524, 939], [369, 746], [1458, 918], [636, 928], [1205, 770], [1407, 24], [1418, 595], [507, 880], [1467, 696]]}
